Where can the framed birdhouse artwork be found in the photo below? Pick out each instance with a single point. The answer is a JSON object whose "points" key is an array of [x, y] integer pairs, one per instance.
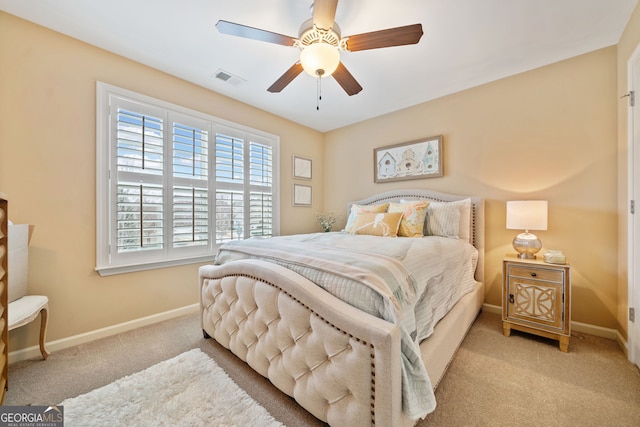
{"points": [[408, 160]]}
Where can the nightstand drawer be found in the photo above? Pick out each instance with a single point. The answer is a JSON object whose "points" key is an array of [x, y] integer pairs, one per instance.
{"points": [[535, 273]]}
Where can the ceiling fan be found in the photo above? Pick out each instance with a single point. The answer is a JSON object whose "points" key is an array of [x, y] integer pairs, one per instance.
{"points": [[320, 41]]}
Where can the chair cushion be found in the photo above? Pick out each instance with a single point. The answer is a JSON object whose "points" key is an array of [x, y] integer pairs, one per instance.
{"points": [[26, 309]]}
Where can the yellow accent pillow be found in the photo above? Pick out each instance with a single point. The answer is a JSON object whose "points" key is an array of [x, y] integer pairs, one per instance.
{"points": [[413, 216], [377, 224], [358, 209]]}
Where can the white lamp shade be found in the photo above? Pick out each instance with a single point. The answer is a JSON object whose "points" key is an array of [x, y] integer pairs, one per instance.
{"points": [[320, 59], [527, 215]]}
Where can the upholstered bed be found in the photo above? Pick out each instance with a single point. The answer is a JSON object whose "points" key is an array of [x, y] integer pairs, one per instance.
{"points": [[279, 305]]}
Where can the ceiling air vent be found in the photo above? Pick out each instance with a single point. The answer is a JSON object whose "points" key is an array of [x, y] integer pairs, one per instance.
{"points": [[226, 76]]}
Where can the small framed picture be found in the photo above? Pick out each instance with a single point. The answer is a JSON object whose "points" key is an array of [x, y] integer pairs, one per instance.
{"points": [[301, 195], [301, 167]]}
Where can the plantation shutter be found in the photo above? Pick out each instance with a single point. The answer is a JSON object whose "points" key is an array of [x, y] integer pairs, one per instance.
{"points": [[140, 195], [229, 188], [190, 186], [261, 192], [173, 183], [244, 187]]}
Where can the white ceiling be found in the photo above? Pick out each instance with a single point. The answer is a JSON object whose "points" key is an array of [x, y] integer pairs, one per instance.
{"points": [[465, 43]]}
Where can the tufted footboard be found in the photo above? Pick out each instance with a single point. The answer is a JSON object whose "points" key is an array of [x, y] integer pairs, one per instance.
{"points": [[339, 363]]}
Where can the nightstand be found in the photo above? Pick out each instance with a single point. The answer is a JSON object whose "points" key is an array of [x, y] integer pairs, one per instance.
{"points": [[536, 298]]}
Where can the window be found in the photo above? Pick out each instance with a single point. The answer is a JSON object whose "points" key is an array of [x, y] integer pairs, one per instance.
{"points": [[173, 184]]}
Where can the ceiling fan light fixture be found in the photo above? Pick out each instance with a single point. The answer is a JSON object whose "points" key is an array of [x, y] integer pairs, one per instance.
{"points": [[320, 42], [320, 59]]}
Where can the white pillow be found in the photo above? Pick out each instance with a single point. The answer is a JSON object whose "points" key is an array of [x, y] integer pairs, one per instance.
{"points": [[465, 219], [449, 219]]}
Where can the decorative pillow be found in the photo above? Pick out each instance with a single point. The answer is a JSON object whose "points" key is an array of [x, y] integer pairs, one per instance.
{"points": [[413, 217], [443, 219], [358, 209], [464, 231], [449, 219], [377, 224]]}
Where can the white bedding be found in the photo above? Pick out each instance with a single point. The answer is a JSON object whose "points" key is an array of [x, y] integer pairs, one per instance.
{"points": [[431, 275]]}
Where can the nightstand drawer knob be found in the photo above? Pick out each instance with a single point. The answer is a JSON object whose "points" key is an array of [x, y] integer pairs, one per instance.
{"points": [[511, 299], [533, 274]]}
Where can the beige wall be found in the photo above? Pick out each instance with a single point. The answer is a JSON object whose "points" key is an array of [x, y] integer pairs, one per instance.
{"points": [[47, 168], [629, 42], [545, 134], [556, 133]]}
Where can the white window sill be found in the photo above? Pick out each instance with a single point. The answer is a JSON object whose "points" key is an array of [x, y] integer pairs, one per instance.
{"points": [[131, 268]]}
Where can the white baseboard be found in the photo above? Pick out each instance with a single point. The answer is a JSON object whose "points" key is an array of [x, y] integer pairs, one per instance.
{"points": [[34, 351], [584, 328]]}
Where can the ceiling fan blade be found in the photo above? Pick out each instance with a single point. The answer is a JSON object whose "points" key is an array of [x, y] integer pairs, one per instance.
{"points": [[399, 36], [286, 78], [233, 29], [324, 13], [346, 80]]}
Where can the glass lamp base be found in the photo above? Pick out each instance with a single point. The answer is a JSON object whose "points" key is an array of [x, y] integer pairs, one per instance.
{"points": [[527, 245]]}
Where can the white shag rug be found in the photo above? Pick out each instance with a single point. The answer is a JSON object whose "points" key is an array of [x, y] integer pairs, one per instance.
{"points": [[187, 390]]}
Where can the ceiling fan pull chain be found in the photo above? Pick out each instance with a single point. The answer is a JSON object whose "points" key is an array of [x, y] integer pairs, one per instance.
{"points": [[319, 93]]}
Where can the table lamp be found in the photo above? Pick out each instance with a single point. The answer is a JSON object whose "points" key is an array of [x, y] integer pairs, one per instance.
{"points": [[527, 215]]}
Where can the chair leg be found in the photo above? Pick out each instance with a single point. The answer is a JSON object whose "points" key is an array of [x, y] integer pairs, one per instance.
{"points": [[44, 318]]}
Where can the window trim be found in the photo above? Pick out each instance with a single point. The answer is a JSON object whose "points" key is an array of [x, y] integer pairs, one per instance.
{"points": [[105, 162]]}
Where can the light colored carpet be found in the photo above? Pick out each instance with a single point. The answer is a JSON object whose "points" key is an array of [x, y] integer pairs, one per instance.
{"points": [[493, 381], [526, 381], [170, 393]]}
